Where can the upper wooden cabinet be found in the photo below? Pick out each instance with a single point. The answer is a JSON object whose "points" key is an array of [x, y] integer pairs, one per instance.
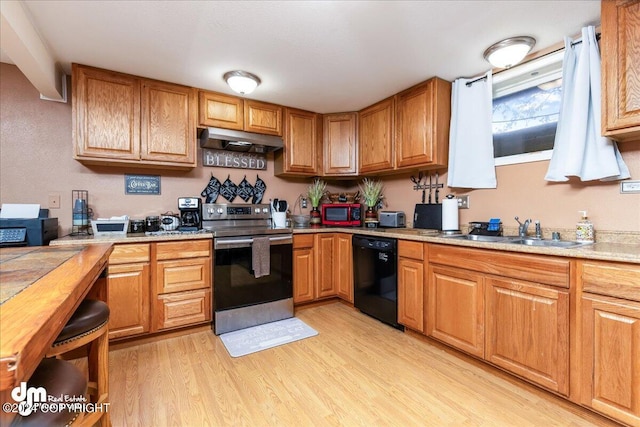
{"points": [[620, 45], [299, 157], [124, 119], [376, 136], [423, 113], [231, 112], [340, 144]]}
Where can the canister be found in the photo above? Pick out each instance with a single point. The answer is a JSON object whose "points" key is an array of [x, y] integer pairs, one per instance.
{"points": [[153, 223], [137, 225]]}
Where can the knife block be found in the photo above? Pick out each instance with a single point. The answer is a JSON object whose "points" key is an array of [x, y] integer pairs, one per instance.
{"points": [[428, 216]]}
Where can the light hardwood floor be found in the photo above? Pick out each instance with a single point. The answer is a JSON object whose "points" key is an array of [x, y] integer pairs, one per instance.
{"points": [[356, 372]]}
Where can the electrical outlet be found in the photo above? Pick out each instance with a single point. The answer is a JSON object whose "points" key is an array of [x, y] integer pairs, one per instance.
{"points": [[54, 201], [463, 202], [303, 202]]}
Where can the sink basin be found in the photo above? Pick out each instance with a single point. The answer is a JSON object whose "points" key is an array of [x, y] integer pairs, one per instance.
{"points": [[547, 243], [481, 238]]}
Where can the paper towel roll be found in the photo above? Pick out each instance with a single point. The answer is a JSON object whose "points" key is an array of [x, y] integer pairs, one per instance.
{"points": [[450, 214]]}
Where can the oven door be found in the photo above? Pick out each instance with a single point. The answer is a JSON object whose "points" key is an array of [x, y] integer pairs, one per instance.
{"points": [[234, 282]]}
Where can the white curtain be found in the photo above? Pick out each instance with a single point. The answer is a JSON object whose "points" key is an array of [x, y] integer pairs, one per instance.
{"points": [[471, 163], [579, 149]]}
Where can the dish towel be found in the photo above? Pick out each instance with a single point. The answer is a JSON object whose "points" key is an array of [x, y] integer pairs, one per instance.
{"points": [[471, 162], [579, 149], [261, 256]]}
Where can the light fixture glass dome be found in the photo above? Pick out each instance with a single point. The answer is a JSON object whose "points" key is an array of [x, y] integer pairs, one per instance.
{"points": [[509, 52], [241, 82]]}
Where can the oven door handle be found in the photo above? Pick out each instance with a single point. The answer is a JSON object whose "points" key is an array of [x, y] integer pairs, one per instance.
{"points": [[246, 242]]}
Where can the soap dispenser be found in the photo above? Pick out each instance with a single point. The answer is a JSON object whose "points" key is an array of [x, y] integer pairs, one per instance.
{"points": [[584, 229]]}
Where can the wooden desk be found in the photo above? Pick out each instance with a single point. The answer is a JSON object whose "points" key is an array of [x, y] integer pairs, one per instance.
{"points": [[31, 319]]}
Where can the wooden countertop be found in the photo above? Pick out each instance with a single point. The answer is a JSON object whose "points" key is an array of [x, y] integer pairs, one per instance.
{"points": [[31, 319]]}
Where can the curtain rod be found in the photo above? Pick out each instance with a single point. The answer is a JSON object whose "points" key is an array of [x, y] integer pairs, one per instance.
{"points": [[468, 84]]}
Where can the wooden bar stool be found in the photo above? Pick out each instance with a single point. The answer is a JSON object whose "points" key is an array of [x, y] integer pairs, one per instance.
{"points": [[58, 377], [89, 326]]}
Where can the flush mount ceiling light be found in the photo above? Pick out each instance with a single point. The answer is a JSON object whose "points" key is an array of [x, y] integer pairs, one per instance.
{"points": [[509, 52], [241, 81]]}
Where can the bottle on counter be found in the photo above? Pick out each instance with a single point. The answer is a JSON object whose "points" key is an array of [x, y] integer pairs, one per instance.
{"points": [[584, 229]]}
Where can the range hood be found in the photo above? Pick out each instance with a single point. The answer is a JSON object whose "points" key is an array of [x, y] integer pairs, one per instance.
{"points": [[236, 140]]}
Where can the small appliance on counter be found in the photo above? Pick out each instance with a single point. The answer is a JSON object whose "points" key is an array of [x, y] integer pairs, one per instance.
{"points": [[392, 219], [169, 221], [342, 214], [114, 226], [428, 216], [28, 231], [190, 213]]}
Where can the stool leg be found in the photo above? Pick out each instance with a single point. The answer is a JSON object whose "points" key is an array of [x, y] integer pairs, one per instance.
{"points": [[99, 371]]}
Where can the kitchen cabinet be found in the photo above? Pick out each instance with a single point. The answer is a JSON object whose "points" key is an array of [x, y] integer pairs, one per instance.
{"points": [[325, 264], [411, 284], [343, 256], [610, 339], [119, 119], [455, 313], [299, 157], [527, 331], [511, 309], [231, 112], [423, 113], [303, 268], [620, 47], [376, 137], [128, 282], [182, 288], [340, 144]]}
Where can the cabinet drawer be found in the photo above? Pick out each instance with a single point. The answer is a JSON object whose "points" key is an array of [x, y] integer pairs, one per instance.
{"points": [[125, 254], [409, 249], [613, 279], [183, 275], [303, 241], [182, 309], [183, 249]]}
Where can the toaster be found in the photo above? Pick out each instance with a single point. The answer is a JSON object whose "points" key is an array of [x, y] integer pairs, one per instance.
{"points": [[392, 219]]}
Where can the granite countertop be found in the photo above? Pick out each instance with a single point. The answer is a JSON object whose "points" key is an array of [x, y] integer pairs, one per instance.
{"points": [[626, 251]]}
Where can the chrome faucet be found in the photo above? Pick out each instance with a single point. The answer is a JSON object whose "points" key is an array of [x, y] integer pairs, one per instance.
{"points": [[538, 229], [522, 228]]}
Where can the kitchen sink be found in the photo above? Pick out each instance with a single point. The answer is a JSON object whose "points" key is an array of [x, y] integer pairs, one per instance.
{"points": [[547, 243], [481, 238]]}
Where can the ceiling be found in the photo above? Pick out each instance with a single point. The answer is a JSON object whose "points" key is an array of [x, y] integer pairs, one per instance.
{"points": [[323, 56]]}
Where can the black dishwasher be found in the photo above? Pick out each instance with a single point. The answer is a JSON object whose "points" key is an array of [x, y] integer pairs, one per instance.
{"points": [[375, 278]]}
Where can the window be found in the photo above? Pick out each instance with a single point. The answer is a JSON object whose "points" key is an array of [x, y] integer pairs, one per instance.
{"points": [[526, 105]]}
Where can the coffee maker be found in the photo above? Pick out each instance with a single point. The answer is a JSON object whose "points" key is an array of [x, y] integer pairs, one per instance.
{"points": [[190, 213]]}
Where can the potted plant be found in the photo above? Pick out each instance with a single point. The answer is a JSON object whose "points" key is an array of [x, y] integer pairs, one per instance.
{"points": [[316, 192], [371, 192]]}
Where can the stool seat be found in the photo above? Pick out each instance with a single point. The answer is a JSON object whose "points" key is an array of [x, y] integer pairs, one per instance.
{"points": [[89, 316], [59, 378]]}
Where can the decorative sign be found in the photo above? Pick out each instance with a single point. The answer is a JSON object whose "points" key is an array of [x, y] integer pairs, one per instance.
{"points": [[233, 159], [142, 184]]}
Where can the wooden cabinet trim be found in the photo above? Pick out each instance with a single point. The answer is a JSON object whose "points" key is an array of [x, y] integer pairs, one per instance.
{"points": [[129, 253], [411, 249], [183, 249], [613, 279], [303, 241]]}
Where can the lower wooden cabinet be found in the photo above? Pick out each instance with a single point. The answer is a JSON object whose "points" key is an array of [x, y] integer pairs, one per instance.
{"points": [[128, 282], [455, 313], [411, 284], [527, 331], [343, 256], [182, 309], [325, 265], [303, 268]]}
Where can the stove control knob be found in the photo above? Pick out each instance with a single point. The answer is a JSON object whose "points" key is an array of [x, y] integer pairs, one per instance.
{"points": [[265, 210], [210, 210], [257, 210], [220, 211]]}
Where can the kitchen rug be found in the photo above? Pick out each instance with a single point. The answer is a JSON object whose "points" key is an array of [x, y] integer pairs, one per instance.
{"points": [[261, 337]]}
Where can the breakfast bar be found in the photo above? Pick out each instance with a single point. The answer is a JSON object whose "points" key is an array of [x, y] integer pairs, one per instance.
{"points": [[40, 288]]}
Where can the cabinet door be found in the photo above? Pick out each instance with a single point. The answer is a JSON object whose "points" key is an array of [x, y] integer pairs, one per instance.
{"points": [[303, 268], [129, 299], [218, 110], [261, 117], [106, 114], [411, 293], [324, 265], [300, 154], [376, 136], [343, 261], [339, 145], [528, 331], [620, 44], [168, 123], [422, 124], [182, 309], [183, 275], [611, 357], [455, 311]]}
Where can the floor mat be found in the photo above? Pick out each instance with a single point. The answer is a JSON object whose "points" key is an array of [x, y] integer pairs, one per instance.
{"points": [[261, 337]]}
